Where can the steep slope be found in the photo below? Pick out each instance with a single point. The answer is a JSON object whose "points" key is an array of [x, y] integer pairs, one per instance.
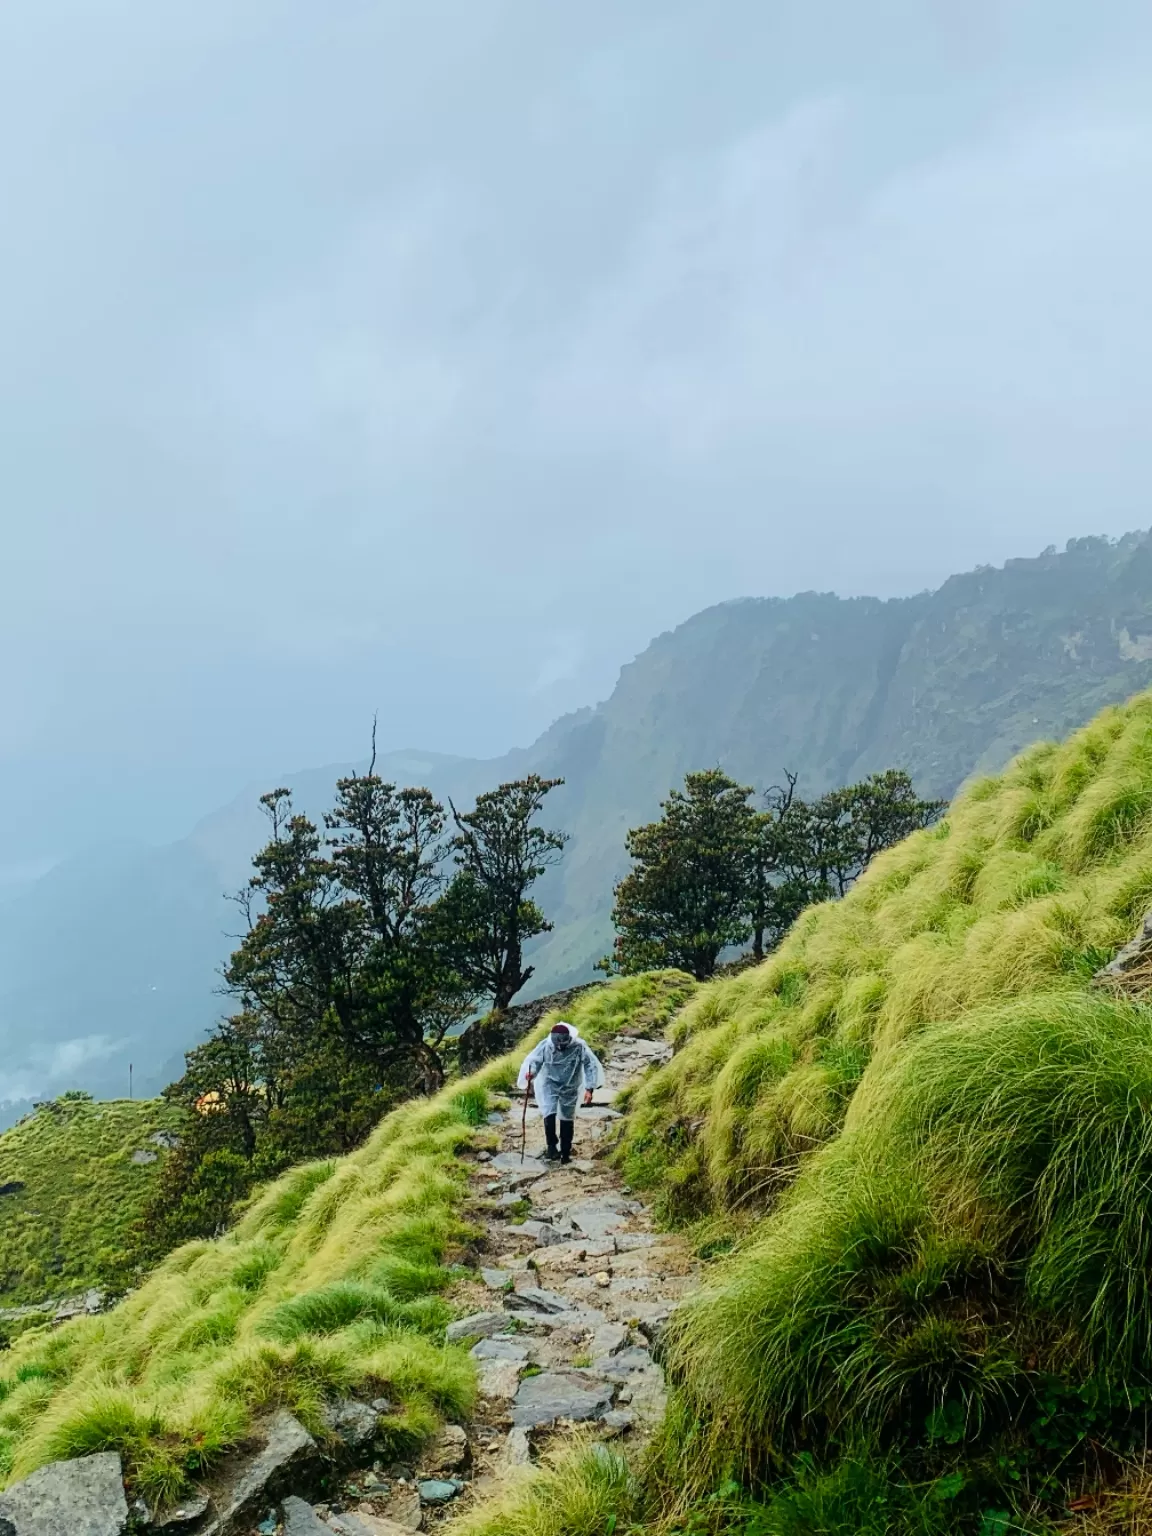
{"points": [[918, 1138], [923, 1128], [331, 1280], [109, 967]]}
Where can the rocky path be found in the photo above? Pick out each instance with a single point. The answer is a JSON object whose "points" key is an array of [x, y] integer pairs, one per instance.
{"points": [[571, 1292], [575, 1288], [570, 1295]]}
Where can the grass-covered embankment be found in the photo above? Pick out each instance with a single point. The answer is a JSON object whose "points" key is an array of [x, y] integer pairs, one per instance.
{"points": [[331, 1280], [67, 1226], [932, 1139]]}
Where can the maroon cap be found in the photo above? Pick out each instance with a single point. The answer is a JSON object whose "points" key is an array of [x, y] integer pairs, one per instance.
{"points": [[560, 1029]]}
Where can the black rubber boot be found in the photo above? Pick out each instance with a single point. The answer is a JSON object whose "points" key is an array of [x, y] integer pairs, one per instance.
{"points": [[550, 1153], [567, 1129]]}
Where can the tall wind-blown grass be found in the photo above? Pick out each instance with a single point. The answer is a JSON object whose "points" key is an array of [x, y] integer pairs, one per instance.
{"points": [[1029, 884], [969, 1257], [331, 1280]]}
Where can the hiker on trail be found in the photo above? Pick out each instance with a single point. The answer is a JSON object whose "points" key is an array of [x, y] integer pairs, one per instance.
{"points": [[559, 1067]]}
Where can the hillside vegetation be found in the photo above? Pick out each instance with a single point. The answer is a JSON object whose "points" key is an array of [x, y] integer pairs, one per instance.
{"points": [[332, 1279], [929, 1138], [65, 1227], [941, 684]]}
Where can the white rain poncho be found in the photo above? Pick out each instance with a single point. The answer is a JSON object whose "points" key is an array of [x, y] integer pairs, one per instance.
{"points": [[559, 1076]]}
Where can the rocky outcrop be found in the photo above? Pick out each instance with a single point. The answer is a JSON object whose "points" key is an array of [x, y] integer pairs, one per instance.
{"points": [[1131, 970], [287, 1461]]}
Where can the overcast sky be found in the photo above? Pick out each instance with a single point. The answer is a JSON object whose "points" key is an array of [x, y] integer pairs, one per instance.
{"points": [[431, 357]]}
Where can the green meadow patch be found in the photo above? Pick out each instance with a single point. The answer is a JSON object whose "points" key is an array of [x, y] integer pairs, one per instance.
{"points": [[65, 1228]]}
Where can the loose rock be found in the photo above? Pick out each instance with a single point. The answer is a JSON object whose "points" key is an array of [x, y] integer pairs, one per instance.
{"points": [[285, 1460], [353, 1423], [436, 1490], [559, 1395], [449, 1451], [500, 1349], [499, 1379], [620, 1420], [301, 1519], [480, 1325], [185, 1513], [517, 1449], [625, 1363], [609, 1340], [534, 1298]]}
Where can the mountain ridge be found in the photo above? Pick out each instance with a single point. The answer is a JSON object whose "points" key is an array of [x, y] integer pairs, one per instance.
{"points": [[99, 967]]}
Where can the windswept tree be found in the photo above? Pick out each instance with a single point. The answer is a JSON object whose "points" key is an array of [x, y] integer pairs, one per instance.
{"points": [[831, 841], [500, 853], [686, 898], [343, 938], [714, 871], [389, 851], [777, 891]]}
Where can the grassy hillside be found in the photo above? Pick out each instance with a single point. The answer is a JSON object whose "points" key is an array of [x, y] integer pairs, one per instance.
{"points": [[921, 1131], [931, 1138], [81, 1191], [330, 1280]]}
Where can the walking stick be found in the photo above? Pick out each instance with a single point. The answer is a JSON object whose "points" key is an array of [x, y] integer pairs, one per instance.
{"points": [[524, 1119]]}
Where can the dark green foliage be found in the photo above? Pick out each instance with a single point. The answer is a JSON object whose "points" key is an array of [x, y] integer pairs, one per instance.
{"points": [[500, 854], [713, 871], [685, 899], [361, 954]]}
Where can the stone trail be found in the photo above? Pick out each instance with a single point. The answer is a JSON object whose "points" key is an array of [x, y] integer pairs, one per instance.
{"points": [[582, 1281], [563, 1312]]}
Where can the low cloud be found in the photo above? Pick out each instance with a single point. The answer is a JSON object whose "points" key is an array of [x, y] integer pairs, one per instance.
{"points": [[47, 1073]]}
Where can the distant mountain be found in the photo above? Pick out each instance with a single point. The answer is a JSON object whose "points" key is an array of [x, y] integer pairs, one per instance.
{"points": [[112, 957]]}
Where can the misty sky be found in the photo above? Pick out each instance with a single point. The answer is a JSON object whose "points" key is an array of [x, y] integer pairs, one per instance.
{"points": [[430, 357]]}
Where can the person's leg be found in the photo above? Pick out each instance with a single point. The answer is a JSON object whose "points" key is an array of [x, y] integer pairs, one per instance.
{"points": [[550, 1136], [567, 1128]]}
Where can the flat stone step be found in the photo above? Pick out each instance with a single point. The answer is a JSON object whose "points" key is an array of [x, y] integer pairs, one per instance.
{"points": [[559, 1395]]}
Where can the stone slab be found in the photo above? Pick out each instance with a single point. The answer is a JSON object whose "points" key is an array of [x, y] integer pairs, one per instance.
{"points": [[82, 1497], [559, 1395]]}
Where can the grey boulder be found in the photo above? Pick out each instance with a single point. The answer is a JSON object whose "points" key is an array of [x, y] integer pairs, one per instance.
{"points": [[480, 1325], [500, 1349], [439, 1490], [624, 1363], [559, 1395], [288, 1455], [84, 1497], [535, 1299], [301, 1519], [352, 1423]]}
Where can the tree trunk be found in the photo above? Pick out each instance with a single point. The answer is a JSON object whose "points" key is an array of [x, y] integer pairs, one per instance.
{"points": [[431, 1069]]}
